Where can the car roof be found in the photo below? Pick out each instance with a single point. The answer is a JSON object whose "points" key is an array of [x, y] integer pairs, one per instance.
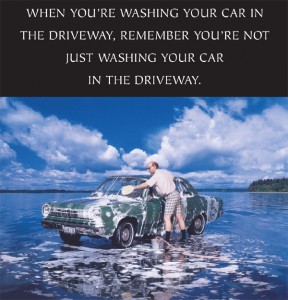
{"points": [[146, 177]]}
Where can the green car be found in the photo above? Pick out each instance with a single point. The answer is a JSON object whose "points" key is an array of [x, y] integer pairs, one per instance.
{"points": [[107, 213]]}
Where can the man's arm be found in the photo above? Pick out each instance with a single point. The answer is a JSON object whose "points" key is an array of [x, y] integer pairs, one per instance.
{"points": [[143, 185], [149, 183]]}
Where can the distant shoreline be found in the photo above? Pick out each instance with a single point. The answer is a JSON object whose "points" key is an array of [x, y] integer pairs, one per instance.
{"points": [[43, 191], [276, 185]]}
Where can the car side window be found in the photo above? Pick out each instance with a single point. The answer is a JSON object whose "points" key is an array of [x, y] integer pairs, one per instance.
{"points": [[181, 187], [189, 188]]}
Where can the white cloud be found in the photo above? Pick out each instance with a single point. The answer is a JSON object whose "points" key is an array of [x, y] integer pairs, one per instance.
{"points": [[219, 179], [208, 144], [215, 139], [126, 171], [15, 176], [135, 158], [6, 153], [236, 105], [200, 102], [58, 142]]}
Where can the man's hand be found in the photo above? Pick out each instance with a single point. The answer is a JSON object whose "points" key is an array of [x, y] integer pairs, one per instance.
{"points": [[127, 189]]}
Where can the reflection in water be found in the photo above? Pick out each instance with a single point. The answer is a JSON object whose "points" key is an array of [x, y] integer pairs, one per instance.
{"points": [[241, 256], [133, 272], [141, 272], [207, 267]]}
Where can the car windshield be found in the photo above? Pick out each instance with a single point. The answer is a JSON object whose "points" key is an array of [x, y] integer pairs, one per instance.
{"points": [[113, 186]]}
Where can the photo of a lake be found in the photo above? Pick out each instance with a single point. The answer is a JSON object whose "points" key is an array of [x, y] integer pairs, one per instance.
{"points": [[242, 255], [57, 148]]}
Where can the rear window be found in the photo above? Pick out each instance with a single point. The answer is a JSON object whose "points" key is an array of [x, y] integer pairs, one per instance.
{"points": [[184, 186]]}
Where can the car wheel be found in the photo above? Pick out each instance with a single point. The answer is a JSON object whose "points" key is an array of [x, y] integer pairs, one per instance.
{"points": [[124, 235], [197, 225], [71, 239]]}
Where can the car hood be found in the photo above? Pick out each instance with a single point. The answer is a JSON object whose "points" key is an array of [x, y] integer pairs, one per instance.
{"points": [[87, 202]]}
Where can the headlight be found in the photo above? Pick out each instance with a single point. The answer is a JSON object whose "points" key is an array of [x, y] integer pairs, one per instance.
{"points": [[94, 212], [46, 208]]}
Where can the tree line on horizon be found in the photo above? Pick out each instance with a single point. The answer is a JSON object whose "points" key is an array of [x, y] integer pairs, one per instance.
{"points": [[269, 185]]}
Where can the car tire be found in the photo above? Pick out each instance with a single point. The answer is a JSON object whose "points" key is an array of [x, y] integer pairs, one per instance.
{"points": [[197, 225], [71, 239], [124, 235]]}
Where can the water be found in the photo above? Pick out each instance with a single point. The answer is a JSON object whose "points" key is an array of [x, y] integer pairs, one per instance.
{"points": [[242, 255]]}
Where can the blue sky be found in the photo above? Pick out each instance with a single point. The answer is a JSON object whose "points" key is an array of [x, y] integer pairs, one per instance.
{"points": [[72, 143]]}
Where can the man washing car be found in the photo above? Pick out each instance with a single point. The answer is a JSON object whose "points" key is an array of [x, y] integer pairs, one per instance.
{"points": [[166, 188]]}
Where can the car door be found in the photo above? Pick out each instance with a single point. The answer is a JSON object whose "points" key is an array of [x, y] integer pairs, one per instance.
{"points": [[187, 197], [154, 207]]}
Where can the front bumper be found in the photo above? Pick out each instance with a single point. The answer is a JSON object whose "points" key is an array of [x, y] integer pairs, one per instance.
{"points": [[77, 228]]}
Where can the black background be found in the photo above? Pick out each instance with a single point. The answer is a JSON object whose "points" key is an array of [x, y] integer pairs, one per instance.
{"points": [[37, 68]]}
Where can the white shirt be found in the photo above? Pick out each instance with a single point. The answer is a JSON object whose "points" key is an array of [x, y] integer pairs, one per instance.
{"points": [[163, 181]]}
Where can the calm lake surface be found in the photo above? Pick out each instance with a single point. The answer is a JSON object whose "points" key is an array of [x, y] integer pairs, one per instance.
{"points": [[242, 255]]}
